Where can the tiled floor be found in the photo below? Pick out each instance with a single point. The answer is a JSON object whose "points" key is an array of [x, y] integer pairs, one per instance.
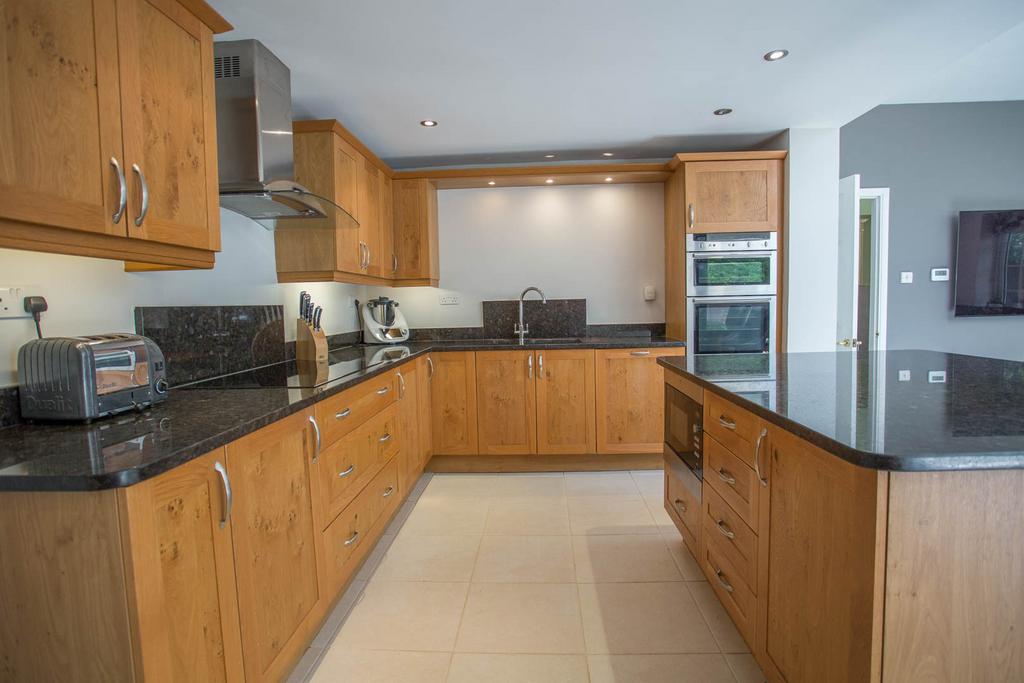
{"points": [[533, 578]]}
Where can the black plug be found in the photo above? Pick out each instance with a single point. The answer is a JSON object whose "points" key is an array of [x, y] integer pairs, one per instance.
{"points": [[36, 305]]}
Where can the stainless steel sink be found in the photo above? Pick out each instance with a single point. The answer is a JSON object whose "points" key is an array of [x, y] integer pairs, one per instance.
{"points": [[555, 340]]}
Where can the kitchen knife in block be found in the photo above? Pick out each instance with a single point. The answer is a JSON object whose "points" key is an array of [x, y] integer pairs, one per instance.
{"points": [[311, 353]]}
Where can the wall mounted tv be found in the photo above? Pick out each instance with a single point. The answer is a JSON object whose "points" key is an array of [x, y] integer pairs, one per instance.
{"points": [[990, 263]]}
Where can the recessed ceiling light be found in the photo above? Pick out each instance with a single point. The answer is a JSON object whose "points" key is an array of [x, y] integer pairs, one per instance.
{"points": [[549, 181], [607, 154], [428, 123], [549, 156], [490, 182], [723, 111], [775, 55], [609, 179]]}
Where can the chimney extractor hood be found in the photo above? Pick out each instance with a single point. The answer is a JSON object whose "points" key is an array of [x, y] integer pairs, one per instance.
{"points": [[254, 138]]}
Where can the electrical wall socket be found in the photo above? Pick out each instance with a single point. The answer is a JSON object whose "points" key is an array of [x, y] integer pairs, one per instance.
{"points": [[12, 303], [904, 375], [448, 299], [906, 277]]}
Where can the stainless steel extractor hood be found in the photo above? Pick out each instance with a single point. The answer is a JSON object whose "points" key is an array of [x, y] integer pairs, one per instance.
{"points": [[254, 138]]}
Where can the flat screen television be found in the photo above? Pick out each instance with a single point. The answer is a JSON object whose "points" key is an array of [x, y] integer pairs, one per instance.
{"points": [[990, 263]]}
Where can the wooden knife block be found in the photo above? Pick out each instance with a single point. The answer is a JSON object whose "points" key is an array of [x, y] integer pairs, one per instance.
{"points": [[311, 352]]}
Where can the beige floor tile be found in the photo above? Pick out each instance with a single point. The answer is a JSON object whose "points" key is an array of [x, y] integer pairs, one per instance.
{"points": [[724, 630], [610, 515], [379, 666], [337, 617], [477, 668], [528, 517], [684, 559], [540, 485], [651, 483], [633, 558], [744, 668], [442, 516], [661, 518], [400, 615], [694, 668], [373, 560], [600, 484], [536, 618], [643, 618], [524, 559], [461, 486], [429, 558]]}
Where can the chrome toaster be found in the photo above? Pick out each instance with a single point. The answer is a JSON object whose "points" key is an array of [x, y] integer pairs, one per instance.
{"points": [[84, 378]]}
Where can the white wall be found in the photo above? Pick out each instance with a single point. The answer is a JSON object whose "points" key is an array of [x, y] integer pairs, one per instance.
{"points": [[91, 296], [602, 243]]}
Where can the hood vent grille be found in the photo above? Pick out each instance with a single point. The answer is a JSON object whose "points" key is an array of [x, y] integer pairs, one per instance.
{"points": [[228, 66]]}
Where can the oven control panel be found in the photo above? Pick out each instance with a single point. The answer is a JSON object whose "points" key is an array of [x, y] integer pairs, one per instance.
{"points": [[732, 241]]}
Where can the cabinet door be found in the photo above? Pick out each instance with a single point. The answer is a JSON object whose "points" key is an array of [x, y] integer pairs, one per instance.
{"points": [[630, 400], [506, 402], [414, 203], [410, 458], [732, 196], [60, 114], [179, 539], [348, 166], [273, 534], [389, 259], [453, 398], [170, 129], [369, 216], [566, 404], [426, 370]]}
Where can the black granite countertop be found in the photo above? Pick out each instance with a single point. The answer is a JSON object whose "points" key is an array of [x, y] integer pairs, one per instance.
{"points": [[194, 420], [885, 410]]}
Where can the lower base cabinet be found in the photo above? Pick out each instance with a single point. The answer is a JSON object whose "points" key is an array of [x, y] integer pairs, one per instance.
{"points": [[630, 392]]}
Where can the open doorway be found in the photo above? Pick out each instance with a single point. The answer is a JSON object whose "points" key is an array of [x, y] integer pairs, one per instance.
{"points": [[863, 265]]}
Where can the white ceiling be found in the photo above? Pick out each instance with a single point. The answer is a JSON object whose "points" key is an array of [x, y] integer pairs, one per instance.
{"points": [[511, 80]]}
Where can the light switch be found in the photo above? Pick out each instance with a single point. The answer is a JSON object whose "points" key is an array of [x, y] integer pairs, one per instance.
{"points": [[650, 293], [904, 375], [906, 277]]}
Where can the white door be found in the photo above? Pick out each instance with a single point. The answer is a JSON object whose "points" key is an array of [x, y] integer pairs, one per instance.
{"points": [[849, 262]]}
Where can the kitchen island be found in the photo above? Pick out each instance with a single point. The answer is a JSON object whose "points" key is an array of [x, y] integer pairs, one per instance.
{"points": [[860, 515]]}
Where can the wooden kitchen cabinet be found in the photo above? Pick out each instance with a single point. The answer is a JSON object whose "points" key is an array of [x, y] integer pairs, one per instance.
{"points": [[506, 402], [566, 402], [386, 214], [630, 392], [425, 370], [182, 582], [274, 535], [114, 86], [410, 456], [415, 232], [453, 403], [733, 196]]}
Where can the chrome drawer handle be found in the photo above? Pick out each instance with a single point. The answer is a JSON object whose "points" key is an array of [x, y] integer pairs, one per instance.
{"points": [[639, 353], [345, 473], [386, 437], [724, 528], [122, 197], [352, 539], [383, 390], [726, 477], [680, 504], [388, 491], [228, 499], [343, 414], [721, 579], [726, 422]]}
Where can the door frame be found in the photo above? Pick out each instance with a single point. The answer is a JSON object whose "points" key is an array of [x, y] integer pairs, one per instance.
{"points": [[879, 309]]}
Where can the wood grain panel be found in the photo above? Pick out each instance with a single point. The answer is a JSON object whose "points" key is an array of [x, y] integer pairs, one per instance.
{"points": [[733, 479], [730, 535], [415, 229], [733, 427], [425, 400], [506, 402], [630, 399], [732, 196], [566, 402], [340, 414], [410, 456], [454, 405], [682, 500], [675, 255]]}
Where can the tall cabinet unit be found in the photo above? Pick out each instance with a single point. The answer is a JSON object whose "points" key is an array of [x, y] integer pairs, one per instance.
{"points": [[109, 145]]}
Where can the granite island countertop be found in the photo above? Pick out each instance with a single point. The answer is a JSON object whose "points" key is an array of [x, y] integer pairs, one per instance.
{"points": [[197, 418], [886, 410]]}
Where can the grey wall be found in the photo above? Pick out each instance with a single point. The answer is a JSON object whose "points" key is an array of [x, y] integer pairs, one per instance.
{"points": [[937, 160]]}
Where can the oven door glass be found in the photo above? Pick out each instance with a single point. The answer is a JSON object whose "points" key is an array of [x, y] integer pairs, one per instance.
{"points": [[732, 271], [731, 327]]}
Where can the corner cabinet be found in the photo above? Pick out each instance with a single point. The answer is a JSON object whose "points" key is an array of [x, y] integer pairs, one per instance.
{"points": [[110, 144], [630, 392], [453, 403]]}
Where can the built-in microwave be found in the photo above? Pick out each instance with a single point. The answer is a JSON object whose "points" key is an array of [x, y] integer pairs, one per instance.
{"points": [[731, 324], [683, 430]]}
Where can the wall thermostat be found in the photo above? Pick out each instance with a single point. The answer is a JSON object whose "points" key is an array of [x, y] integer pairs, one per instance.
{"points": [[940, 274]]}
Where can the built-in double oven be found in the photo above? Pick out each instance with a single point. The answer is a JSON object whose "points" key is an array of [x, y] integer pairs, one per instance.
{"points": [[731, 292]]}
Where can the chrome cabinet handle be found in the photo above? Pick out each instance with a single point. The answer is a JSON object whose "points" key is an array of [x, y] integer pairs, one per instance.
{"points": [[401, 385], [353, 538], [529, 366], [145, 195], [385, 438], [343, 414], [726, 422], [316, 433], [726, 477], [693, 215], [362, 254], [721, 579], [383, 390], [388, 491], [369, 256], [228, 498], [757, 457], [540, 364], [345, 473], [394, 263], [724, 529], [639, 353], [430, 367], [680, 504], [122, 198]]}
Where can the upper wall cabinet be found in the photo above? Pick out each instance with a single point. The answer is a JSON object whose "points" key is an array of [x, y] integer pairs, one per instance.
{"points": [[415, 237], [108, 143], [732, 196]]}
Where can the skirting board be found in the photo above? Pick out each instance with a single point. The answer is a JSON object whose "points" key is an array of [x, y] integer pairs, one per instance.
{"points": [[585, 462]]}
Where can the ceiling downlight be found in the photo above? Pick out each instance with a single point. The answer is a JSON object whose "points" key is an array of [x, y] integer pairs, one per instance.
{"points": [[724, 111], [775, 55], [428, 123]]}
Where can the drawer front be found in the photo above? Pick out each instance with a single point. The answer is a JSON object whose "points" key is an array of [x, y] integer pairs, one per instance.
{"points": [[344, 542], [731, 537], [734, 595], [734, 427], [341, 414], [682, 501], [732, 479], [345, 468], [382, 493], [385, 437]]}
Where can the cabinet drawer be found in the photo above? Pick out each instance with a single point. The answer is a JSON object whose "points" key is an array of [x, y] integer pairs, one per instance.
{"points": [[732, 479], [682, 498], [382, 493], [344, 542], [734, 595], [385, 435], [339, 415], [730, 535], [734, 427], [345, 468]]}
